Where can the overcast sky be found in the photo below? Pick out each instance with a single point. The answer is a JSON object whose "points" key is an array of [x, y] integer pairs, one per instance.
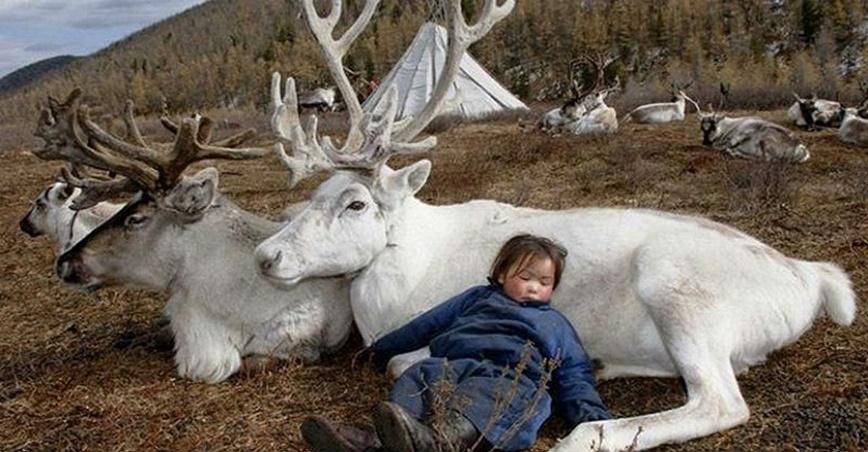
{"points": [[32, 30]]}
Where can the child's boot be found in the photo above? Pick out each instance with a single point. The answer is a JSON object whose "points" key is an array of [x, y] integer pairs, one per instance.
{"points": [[323, 435], [400, 432]]}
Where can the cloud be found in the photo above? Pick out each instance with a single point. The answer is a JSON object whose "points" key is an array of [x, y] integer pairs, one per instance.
{"points": [[32, 30]]}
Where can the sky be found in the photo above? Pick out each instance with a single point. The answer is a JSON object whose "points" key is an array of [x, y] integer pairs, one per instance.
{"points": [[32, 30]]}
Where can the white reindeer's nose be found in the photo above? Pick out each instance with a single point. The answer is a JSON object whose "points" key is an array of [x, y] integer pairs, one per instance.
{"points": [[268, 260]]}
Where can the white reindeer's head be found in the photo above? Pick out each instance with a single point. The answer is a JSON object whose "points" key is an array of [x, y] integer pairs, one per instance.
{"points": [[345, 224], [46, 214], [347, 221]]}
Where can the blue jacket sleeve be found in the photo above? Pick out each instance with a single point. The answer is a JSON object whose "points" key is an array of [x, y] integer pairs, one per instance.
{"points": [[573, 383], [421, 330]]}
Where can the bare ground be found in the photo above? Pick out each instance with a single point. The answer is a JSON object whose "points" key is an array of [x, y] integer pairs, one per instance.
{"points": [[71, 381]]}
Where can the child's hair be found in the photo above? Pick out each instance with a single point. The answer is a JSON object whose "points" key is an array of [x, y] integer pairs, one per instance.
{"points": [[521, 249]]}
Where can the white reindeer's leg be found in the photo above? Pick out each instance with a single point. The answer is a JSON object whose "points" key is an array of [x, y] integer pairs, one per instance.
{"points": [[714, 404], [203, 348], [700, 350]]}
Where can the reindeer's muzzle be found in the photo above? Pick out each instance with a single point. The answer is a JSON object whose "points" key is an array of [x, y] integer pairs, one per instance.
{"points": [[71, 269], [27, 227]]}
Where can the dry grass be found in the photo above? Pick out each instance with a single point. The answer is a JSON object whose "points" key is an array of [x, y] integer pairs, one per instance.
{"points": [[69, 382]]}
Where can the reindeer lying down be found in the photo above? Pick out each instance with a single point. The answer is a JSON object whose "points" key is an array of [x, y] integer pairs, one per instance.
{"points": [[648, 291], [179, 235], [51, 214], [752, 137]]}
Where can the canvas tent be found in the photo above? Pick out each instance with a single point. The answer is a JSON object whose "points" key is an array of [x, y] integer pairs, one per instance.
{"points": [[474, 92]]}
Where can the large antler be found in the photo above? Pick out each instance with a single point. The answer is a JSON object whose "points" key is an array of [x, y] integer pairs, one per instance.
{"points": [[461, 37], [70, 135], [367, 147], [336, 49]]}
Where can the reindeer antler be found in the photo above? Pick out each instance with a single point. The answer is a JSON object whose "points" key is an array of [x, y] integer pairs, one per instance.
{"points": [[461, 37], [336, 49], [367, 147], [71, 135], [369, 143]]}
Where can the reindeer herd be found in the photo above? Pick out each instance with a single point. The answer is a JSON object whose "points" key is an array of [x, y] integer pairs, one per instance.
{"points": [[748, 136], [645, 288]]}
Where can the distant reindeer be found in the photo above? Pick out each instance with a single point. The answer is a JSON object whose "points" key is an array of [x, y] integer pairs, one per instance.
{"points": [[854, 129], [586, 111], [51, 214], [600, 119], [662, 112], [319, 99], [811, 113], [574, 109], [751, 137]]}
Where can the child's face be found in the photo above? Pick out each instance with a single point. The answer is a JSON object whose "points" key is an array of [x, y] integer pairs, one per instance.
{"points": [[534, 282]]}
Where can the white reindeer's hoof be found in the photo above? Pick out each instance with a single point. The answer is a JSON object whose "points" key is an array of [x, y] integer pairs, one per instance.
{"points": [[210, 369]]}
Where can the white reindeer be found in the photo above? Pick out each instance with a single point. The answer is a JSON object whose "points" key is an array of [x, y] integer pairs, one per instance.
{"points": [[572, 110], [599, 119], [660, 112], [320, 99], [810, 113], [752, 137], [51, 214], [646, 290], [854, 129], [182, 237]]}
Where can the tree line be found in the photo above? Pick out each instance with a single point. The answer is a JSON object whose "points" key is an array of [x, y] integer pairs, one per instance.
{"points": [[221, 53]]}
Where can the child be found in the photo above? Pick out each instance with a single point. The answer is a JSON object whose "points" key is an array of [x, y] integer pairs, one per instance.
{"points": [[504, 354]]}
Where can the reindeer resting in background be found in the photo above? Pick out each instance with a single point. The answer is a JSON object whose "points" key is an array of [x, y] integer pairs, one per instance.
{"points": [[586, 111], [661, 112], [646, 290], [810, 113], [320, 99], [751, 137], [179, 235], [854, 126]]}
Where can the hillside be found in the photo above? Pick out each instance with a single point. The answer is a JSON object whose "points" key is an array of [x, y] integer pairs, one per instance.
{"points": [[220, 54], [32, 72]]}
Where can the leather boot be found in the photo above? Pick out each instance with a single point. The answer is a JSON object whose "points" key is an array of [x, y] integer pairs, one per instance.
{"points": [[456, 433], [323, 435], [400, 432]]}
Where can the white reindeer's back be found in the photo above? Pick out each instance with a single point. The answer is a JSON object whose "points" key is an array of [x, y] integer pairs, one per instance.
{"points": [[625, 269]]}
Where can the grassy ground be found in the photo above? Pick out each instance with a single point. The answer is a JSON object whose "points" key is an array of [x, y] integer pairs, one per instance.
{"points": [[70, 382]]}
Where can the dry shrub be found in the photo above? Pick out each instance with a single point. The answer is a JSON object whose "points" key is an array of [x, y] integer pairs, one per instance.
{"points": [[442, 400], [759, 186]]}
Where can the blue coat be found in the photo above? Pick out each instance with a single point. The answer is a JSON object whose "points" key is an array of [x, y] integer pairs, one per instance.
{"points": [[477, 341]]}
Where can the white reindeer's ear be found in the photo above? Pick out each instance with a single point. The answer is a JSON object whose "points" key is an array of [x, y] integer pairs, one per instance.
{"points": [[193, 194], [395, 185]]}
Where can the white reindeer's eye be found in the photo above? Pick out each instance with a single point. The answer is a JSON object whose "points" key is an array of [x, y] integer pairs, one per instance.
{"points": [[356, 205], [135, 220]]}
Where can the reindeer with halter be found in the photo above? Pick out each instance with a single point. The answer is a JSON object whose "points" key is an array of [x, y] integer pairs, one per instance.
{"points": [[180, 236], [646, 288]]}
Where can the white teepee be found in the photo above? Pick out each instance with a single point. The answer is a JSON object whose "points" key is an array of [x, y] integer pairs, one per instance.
{"points": [[474, 92]]}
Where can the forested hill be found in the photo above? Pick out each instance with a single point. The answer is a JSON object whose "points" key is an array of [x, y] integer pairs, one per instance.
{"points": [[220, 54], [32, 72]]}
